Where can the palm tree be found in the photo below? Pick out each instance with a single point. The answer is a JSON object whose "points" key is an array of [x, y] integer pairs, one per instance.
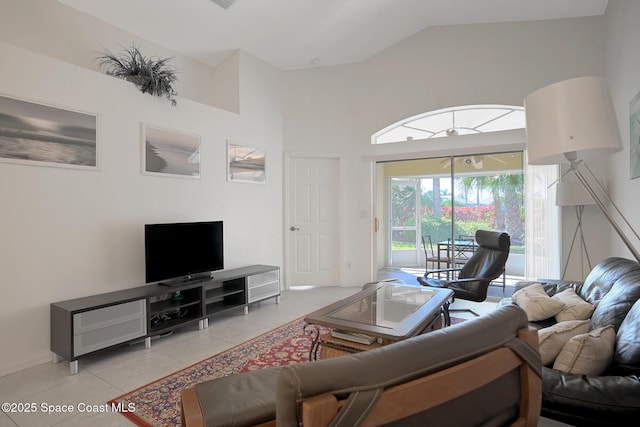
{"points": [[507, 189]]}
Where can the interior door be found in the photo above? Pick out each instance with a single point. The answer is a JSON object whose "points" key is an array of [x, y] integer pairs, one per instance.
{"points": [[313, 249]]}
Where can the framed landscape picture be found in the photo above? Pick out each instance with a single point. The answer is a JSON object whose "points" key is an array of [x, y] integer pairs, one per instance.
{"points": [[245, 163], [39, 134], [170, 153]]}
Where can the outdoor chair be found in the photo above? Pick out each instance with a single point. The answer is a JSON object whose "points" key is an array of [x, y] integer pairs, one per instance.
{"points": [[460, 250], [431, 254], [465, 247], [486, 264]]}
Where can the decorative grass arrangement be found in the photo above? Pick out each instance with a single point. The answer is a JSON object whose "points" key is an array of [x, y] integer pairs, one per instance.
{"points": [[151, 75]]}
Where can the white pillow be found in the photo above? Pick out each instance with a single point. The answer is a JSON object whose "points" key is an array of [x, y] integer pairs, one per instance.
{"points": [[588, 354], [575, 308], [553, 338], [536, 303]]}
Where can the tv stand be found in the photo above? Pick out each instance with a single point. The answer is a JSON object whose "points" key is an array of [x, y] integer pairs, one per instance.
{"points": [[180, 281], [84, 326]]}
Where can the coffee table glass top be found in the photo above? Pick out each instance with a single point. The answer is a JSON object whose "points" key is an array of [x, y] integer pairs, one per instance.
{"points": [[386, 310]]}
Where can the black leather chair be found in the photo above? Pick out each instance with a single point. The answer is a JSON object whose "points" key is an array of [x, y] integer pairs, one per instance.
{"points": [[486, 264]]}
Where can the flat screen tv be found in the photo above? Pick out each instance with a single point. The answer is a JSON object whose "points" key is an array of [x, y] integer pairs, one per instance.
{"points": [[179, 252]]}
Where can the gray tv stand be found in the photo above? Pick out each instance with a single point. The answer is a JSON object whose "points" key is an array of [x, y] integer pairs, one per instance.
{"points": [[84, 326]]}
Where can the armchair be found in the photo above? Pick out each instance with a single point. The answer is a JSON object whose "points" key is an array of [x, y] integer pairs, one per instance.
{"points": [[484, 371], [486, 264]]}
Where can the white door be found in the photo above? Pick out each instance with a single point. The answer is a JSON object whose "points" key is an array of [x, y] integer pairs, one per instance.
{"points": [[313, 249]]}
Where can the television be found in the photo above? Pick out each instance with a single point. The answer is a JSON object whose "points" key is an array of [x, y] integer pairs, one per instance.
{"points": [[179, 252]]}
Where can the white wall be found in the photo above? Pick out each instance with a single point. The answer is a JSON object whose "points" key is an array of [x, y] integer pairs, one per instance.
{"points": [[337, 109], [67, 233], [622, 61], [54, 29]]}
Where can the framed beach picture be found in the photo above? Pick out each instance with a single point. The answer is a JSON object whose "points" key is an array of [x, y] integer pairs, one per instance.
{"points": [[46, 135], [634, 134], [170, 153], [245, 163]]}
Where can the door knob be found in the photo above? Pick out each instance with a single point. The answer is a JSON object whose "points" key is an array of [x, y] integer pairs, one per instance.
{"points": [[293, 228]]}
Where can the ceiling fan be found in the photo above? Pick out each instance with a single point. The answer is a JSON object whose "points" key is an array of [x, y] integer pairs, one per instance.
{"points": [[472, 161]]}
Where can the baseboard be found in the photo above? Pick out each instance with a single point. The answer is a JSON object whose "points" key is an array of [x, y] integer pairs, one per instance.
{"points": [[25, 364]]}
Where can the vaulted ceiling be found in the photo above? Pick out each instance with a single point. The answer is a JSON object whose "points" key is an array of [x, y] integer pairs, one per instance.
{"points": [[294, 34]]}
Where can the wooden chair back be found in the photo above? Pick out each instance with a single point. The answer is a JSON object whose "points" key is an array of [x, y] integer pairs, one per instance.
{"points": [[428, 392]]}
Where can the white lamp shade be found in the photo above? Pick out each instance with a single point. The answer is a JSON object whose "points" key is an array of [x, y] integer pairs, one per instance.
{"points": [[574, 115]]}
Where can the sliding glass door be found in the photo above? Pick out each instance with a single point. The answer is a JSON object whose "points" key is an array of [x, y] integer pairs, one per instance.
{"points": [[433, 200], [404, 215], [417, 192]]}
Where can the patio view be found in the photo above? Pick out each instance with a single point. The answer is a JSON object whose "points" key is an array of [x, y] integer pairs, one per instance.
{"points": [[434, 200]]}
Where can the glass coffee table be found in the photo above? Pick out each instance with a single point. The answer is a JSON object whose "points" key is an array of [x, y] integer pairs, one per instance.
{"points": [[380, 314]]}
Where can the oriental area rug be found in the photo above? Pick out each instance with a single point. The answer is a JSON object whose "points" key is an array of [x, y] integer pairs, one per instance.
{"points": [[158, 404]]}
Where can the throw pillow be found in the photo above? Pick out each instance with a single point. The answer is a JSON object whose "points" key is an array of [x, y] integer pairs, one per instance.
{"points": [[575, 308], [588, 354], [553, 338], [536, 303]]}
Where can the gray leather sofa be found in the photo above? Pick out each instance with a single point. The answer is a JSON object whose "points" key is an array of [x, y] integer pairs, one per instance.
{"points": [[277, 396], [612, 398]]}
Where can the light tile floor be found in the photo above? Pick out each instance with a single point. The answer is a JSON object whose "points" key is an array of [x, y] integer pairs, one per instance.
{"points": [[110, 374]]}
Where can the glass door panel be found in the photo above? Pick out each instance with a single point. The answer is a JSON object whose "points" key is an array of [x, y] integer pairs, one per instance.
{"points": [[450, 198], [404, 208], [489, 195], [418, 194]]}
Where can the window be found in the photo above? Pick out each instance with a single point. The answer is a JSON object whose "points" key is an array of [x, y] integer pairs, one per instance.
{"points": [[453, 121]]}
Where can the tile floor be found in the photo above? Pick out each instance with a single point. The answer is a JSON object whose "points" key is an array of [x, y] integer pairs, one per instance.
{"points": [[111, 374]]}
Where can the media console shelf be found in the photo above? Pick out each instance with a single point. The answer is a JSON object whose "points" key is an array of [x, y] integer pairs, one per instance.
{"points": [[83, 326]]}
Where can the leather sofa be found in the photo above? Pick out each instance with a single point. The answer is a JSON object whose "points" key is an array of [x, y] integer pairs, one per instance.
{"points": [[613, 398], [485, 371]]}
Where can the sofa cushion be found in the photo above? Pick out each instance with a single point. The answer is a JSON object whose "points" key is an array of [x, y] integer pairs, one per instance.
{"points": [[587, 354], [627, 351], [602, 278], [614, 306], [553, 338], [536, 303], [575, 308]]}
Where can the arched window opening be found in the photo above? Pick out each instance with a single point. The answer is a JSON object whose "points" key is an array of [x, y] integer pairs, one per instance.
{"points": [[453, 121]]}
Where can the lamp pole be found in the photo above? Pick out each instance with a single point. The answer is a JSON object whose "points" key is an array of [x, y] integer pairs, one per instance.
{"points": [[572, 157]]}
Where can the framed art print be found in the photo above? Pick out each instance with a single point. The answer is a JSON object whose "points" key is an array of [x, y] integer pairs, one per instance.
{"points": [[170, 153], [245, 163], [45, 135]]}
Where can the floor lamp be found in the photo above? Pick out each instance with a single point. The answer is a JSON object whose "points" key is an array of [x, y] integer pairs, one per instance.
{"points": [[570, 193], [572, 121]]}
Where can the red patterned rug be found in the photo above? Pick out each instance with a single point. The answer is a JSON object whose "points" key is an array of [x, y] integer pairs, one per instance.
{"points": [[158, 404]]}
